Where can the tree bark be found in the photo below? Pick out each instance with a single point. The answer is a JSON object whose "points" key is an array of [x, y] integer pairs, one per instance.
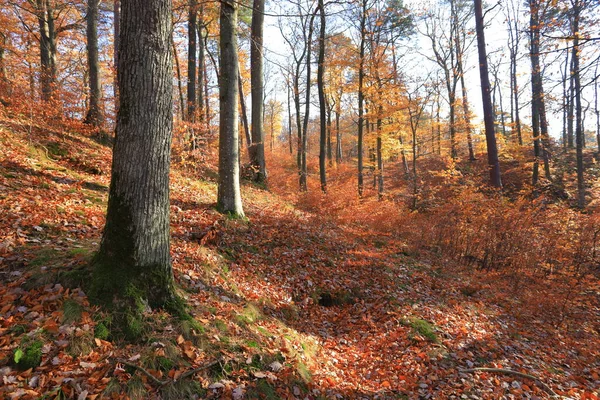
{"points": [[576, 8], [244, 116], [5, 89], [257, 150], [191, 82], [45, 16], [94, 114], [303, 168], [490, 135], [290, 122], [229, 199], [322, 102], [361, 78], [535, 75], [133, 265], [201, 67], [514, 40], [116, 33]]}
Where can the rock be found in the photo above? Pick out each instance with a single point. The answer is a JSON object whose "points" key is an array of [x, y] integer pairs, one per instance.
{"points": [[216, 385], [275, 366]]}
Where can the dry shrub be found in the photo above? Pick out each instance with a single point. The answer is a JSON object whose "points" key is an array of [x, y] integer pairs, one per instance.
{"points": [[539, 253]]}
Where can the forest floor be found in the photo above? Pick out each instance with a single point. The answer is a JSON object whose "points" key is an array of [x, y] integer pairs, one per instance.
{"points": [[292, 303]]}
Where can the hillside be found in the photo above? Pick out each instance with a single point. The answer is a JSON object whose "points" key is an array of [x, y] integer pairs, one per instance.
{"points": [[314, 296]]}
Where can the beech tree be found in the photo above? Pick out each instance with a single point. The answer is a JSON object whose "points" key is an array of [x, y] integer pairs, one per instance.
{"points": [[257, 149], [94, 115], [322, 101], [133, 265], [229, 198]]}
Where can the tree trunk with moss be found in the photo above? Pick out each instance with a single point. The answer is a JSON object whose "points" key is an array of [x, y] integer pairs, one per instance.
{"points": [[133, 267]]}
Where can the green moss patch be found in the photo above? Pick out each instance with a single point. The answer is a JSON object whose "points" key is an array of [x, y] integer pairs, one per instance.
{"points": [[28, 354]]}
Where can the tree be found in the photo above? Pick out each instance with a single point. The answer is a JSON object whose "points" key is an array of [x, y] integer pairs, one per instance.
{"points": [[257, 150], [229, 198], [490, 135], [191, 83], [539, 123], [361, 95], [514, 29], [94, 115], [322, 101], [576, 6], [116, 34], [133, 266]]}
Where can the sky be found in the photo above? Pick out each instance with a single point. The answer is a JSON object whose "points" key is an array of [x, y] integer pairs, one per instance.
{"points": [[496, 39]]}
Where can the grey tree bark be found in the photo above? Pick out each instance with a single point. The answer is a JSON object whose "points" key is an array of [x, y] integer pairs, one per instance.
{"points": [[229, 198], [133, 265], [191, 82], [257, 150], [94, 114], [361, 96], [322, 102], [45, 16]]}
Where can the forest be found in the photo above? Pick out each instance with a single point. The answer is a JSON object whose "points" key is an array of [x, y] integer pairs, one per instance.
{"points": [[299, 199]]}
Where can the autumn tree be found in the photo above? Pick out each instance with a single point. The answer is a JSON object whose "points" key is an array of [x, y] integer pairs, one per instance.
{"points": [[133, 265], [442, 37]]}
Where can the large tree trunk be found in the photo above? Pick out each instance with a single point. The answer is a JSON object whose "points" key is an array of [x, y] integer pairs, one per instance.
{"points": [[490, 135], [303, 165], [133, 266], [45, 16], [191, 82], [94, 115], [257, 150], [229, 199], [565, 74], [571, 108], [361, 78], [201, 67], [514, 40], [116, 33], [578, 109], [322, 102], [380, 179], [290, 122], [535, 75], [5, 89]]}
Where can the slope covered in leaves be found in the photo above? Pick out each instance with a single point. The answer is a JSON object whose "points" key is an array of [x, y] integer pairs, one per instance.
{"points": [[313, 297]]}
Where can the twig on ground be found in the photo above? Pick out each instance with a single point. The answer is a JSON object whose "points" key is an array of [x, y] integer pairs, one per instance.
{"points": [[161, 383], [543, 385]]}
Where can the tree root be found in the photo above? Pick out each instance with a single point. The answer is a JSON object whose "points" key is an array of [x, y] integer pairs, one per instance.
{"points": [[162, 383], [543, 385]]}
